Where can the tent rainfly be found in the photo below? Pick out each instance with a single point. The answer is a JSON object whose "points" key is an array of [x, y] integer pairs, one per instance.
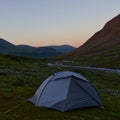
{"points": [[66, 91]]}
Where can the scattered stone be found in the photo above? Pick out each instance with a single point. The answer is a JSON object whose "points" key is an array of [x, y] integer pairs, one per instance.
{"points": [[10, 90]]}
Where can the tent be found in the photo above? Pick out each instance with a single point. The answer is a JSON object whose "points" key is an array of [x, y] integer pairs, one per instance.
{"points": [[66, 91]]}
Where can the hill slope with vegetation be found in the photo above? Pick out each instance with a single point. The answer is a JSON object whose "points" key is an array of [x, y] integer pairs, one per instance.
{"points": [[106, 59]]}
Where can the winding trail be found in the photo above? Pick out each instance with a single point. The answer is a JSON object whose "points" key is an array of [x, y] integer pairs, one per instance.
{"points": [[86, 68]]}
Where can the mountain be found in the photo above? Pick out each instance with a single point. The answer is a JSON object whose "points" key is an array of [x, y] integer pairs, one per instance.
{"points": [[62, 48], [107, 38], [4, 43], [29, 51], [46, 51], [6, 47]]}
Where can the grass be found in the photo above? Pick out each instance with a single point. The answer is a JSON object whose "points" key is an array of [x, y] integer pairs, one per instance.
{"points": [[109, 59], [20, 77]]}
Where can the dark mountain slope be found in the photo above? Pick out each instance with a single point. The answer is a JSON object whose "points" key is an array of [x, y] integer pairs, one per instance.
{"points": [[6, 47], [63, 48], [29, 51], [105, 39]]}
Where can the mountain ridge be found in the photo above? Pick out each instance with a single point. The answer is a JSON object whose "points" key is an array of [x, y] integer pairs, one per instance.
{"points": [[30, 51], [107, 38]]}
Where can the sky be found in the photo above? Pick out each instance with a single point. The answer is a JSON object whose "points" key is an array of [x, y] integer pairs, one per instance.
{"points": [[54, 22]]}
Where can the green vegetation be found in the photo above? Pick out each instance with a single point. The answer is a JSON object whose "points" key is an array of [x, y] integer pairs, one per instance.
{"points": [[108, 59], [20, 77]]}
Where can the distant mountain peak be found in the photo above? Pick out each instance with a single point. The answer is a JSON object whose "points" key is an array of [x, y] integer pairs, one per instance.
{"points": [[5, 43], [63, 48], [29, 51], [113, 23]]}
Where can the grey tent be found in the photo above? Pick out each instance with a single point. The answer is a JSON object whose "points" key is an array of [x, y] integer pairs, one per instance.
{"points": [[66, 91]]}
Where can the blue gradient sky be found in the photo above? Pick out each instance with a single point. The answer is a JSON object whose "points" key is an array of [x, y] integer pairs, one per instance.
{"points": [[54, 22]]}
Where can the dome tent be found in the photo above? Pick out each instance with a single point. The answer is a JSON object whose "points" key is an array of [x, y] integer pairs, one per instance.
{"points": [[66, 91]]}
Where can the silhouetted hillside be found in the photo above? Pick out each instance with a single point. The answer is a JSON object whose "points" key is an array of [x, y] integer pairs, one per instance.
{"points": [[6, 47], [29, 51]]}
